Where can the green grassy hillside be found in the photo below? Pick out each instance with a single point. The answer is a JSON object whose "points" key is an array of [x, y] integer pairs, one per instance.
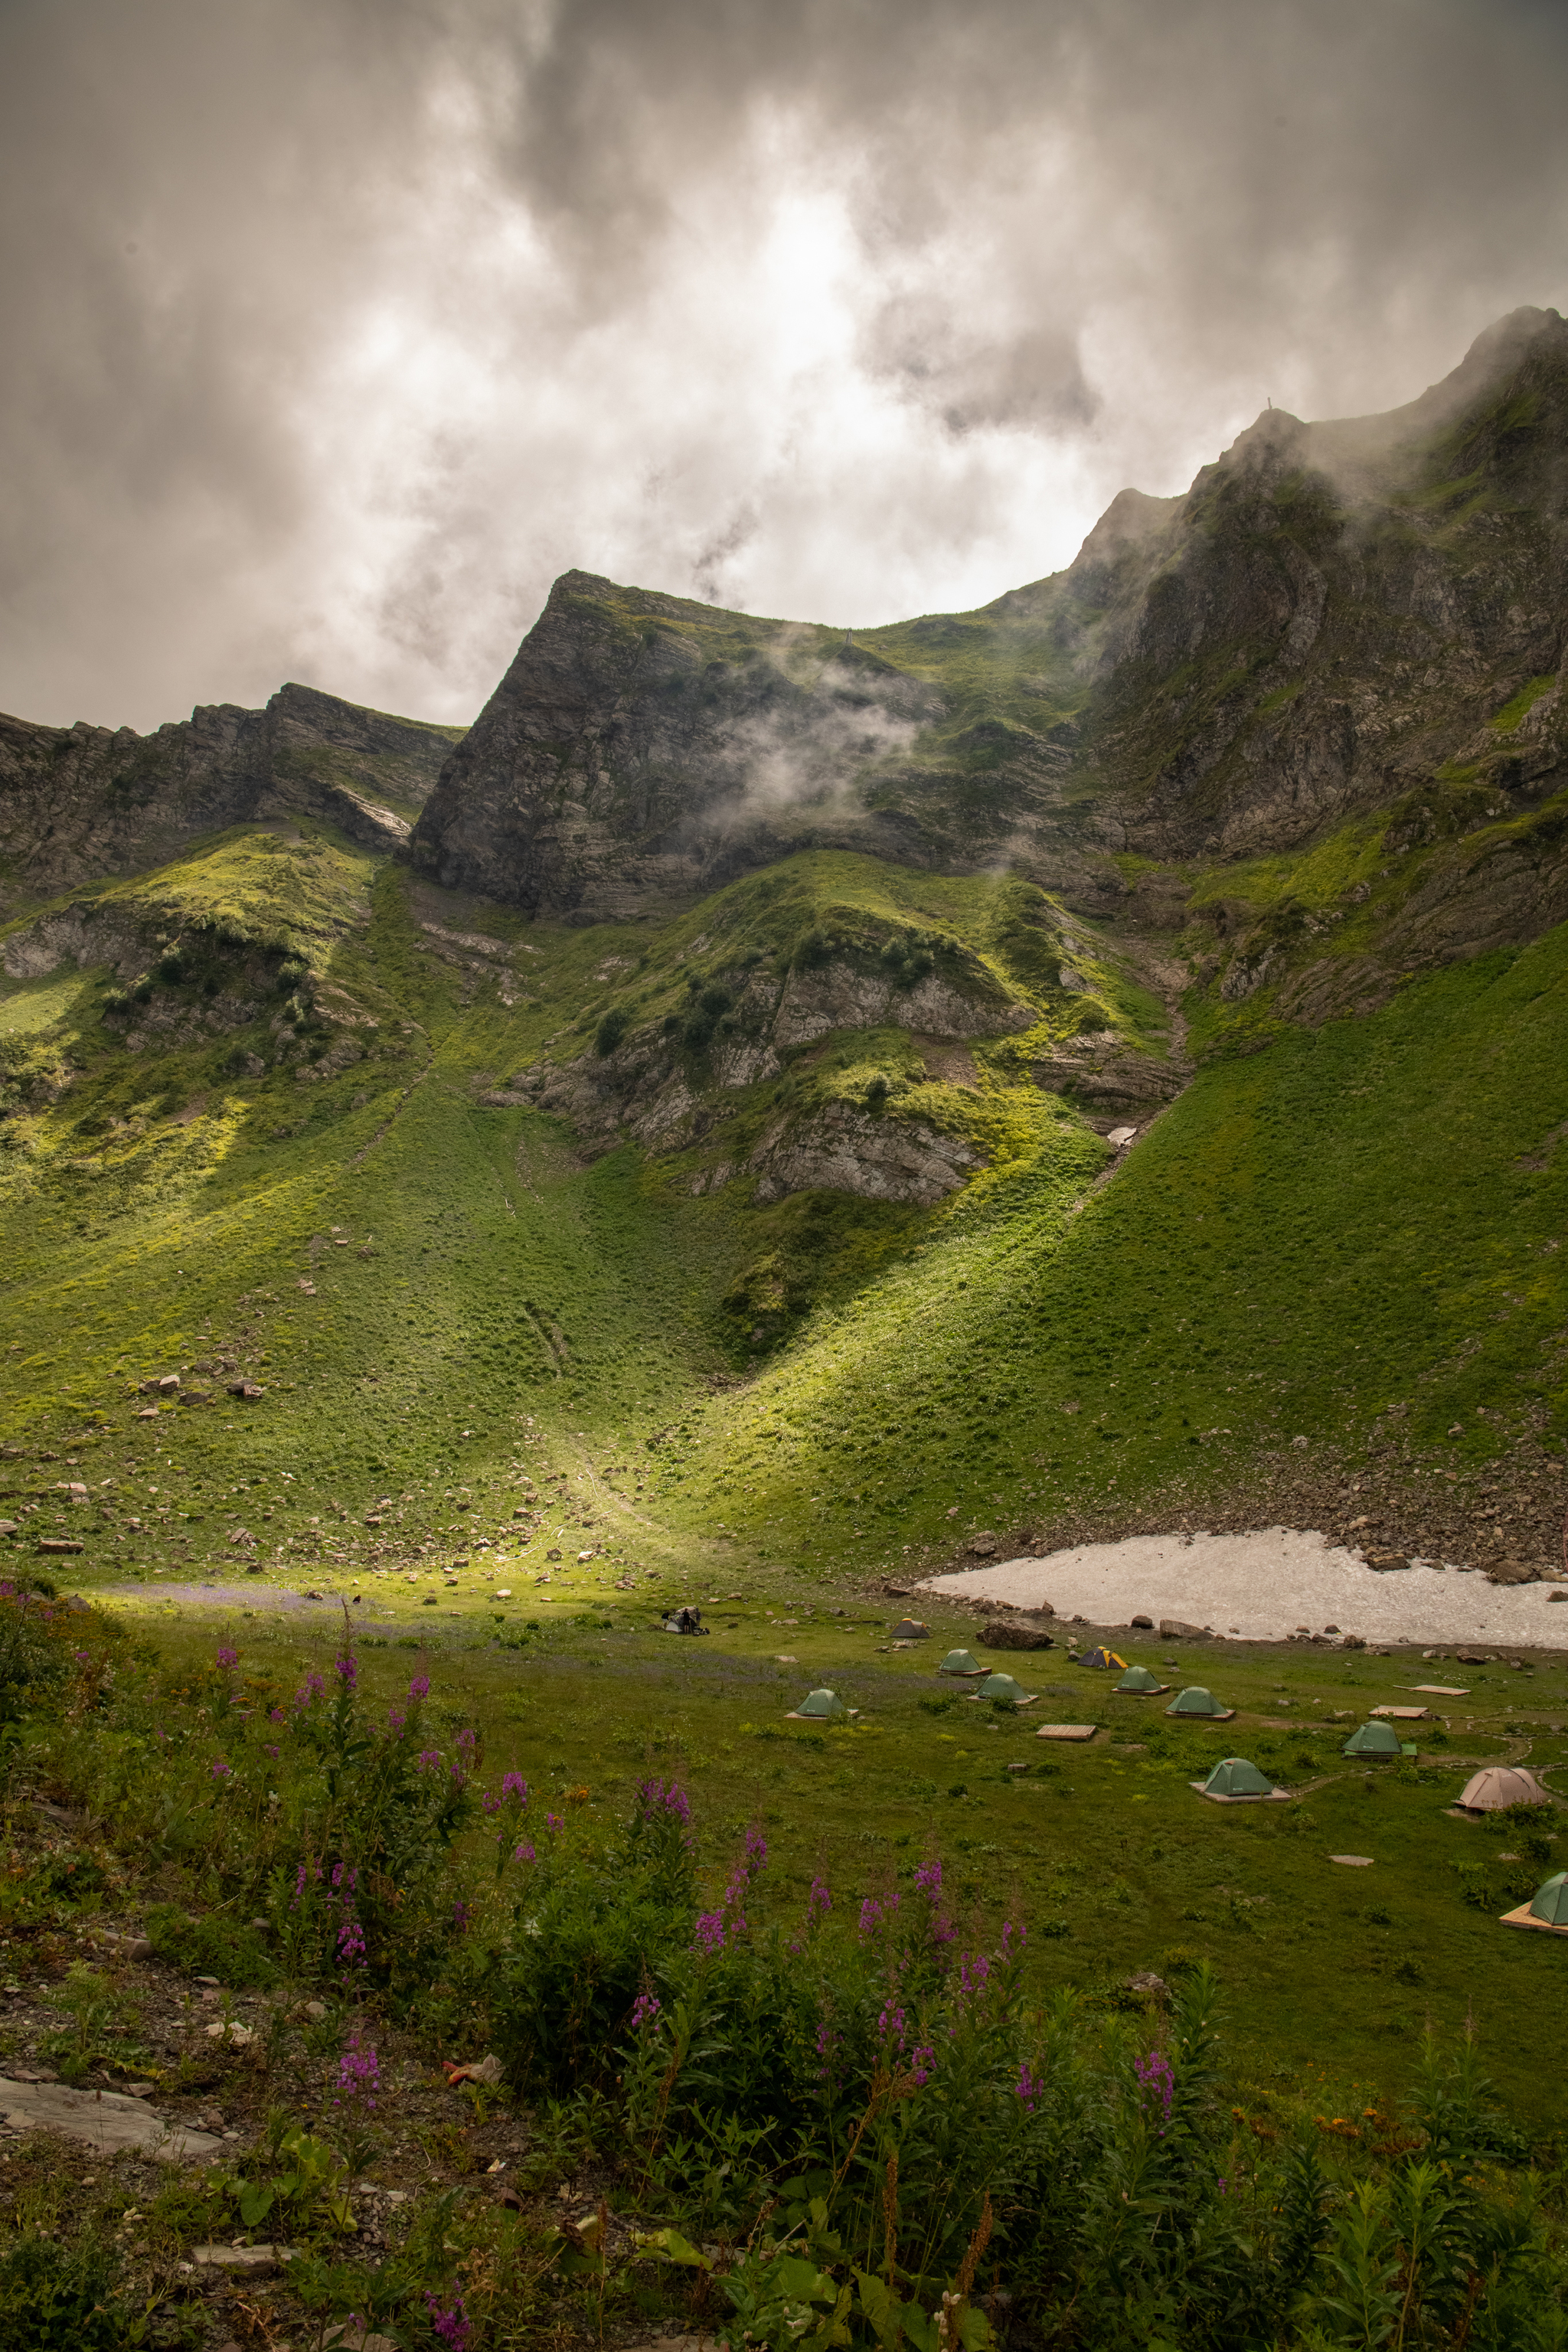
{"points": [[1347, 1236]]}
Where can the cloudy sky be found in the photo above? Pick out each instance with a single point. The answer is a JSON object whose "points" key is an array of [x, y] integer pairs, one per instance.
{"points": [[333, 330]]}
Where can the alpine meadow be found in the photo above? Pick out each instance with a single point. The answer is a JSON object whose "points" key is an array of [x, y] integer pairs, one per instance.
{"points": [[531, 1247]]}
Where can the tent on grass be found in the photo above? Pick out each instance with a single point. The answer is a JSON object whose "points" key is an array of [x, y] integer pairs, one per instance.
{"points": [[1196, 1700], [911, 1629], [1374, 1739], [821, 1706], [960, 1662], [1102, 1657], [1551, 1902], [1139, 1680], [1497, 1787], [1233, 1776], [1001, 1685], [1548, 1912]]}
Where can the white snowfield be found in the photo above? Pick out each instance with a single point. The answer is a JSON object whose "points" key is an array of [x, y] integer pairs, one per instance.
{"points": [[1266, 1585]]}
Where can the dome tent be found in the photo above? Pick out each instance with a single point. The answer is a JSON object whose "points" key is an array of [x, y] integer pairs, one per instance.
{"points": [[1551, 1902], [961, 1662], [822, 1706], [1196, 1700], [1000, 1685], [1497, 1787], [1548, 1909], [1373, 1739], [911, 1629], [1139, 1680], [1102, 1658], [1236, 1781]]}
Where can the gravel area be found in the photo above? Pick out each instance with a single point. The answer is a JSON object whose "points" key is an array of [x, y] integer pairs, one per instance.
{"points": [[1266, 1585]]}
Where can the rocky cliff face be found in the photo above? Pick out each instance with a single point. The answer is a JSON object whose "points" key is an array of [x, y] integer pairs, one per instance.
{"points": [[77, 803], [1330, 619]]}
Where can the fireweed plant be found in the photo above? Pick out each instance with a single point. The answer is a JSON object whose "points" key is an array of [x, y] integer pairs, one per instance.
{"points": [[893, 2140]]}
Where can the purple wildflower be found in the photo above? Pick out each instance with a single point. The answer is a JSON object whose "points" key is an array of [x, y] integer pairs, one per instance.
{"points": [[452, 2326], [928, 1879], [874, 1915], [554, 1822], [1156, 2081], [272, 1749], [655, 1797], [923, 2064], [396, 1719], [818, 1902], [427, 1760], [514, 1785], [522, 1853], [710, 1933], [419, 1688], [462, 1917], [890, 2027], [1029, 2087], [221, 1770], [225, 1657], [756, 1852], [348, 1671], [359, 2075], [644, 2009], [468, 1741]]}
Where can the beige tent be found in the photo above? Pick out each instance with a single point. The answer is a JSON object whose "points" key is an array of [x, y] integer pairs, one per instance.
{"points": [[1496, 1787]]}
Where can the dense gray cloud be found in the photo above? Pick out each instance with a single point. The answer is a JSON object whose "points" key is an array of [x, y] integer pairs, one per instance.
{"points": [[333, 328]]}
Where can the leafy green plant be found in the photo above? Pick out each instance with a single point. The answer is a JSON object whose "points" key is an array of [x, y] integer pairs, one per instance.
{"points": [[56, 2299], [305, 2189]]}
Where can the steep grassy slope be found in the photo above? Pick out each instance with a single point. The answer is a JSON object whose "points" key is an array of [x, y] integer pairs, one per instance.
{"points": [[1348, 1237]]}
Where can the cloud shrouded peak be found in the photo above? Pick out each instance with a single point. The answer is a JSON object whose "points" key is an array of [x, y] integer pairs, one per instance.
{"points": [[334, 332]]}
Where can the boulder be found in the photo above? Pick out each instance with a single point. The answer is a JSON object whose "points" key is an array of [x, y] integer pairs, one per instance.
{"points": [[1513, 1571], [1172, 1629], [104, 2119], [1017, 1634], [982, 1546]]}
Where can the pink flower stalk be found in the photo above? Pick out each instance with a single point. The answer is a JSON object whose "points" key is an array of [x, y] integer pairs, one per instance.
{"points": [[419, 1688], [1156, 2083], [645, 2010], [452, 2326], [655, 1797], [923, 2064], [1030, 2086], [818, 1902], [225, 1657], [358, 2076], [221, 1770], [348, 1671], [522, 1853]]}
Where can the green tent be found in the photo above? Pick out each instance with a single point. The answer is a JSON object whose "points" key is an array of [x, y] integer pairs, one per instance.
{"points": [[1233, 1776], [824, 1704], [1003, 1686], [1196, 1700], [1139, 1678], [959, 1661], [1551, 1902], [1373, 1739]]}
